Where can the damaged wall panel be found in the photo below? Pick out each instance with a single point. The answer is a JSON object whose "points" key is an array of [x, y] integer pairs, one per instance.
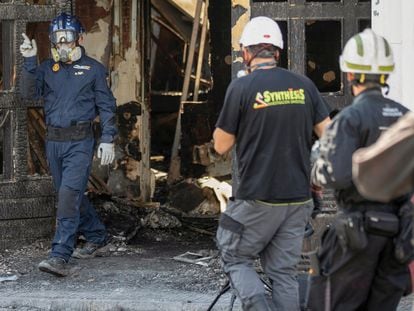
{"points": [[130, 85], [96, 17], [239, 18], [114, 32]]}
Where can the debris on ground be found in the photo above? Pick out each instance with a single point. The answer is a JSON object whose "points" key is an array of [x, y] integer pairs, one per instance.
{"points": [[7, 278], [202, 258], [221, 189], [160, 219]]}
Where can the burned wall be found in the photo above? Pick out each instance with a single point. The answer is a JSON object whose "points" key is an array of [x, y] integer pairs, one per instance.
{"points": [[116, 36], [221, 58], [27, 206]]}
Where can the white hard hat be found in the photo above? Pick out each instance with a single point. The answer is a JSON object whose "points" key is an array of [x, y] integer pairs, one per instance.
{"points": [[262, 30], [367, 52]]}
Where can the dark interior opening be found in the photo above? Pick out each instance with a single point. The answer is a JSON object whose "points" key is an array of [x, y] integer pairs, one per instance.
{"points": [[283, 61], [170, 48], [363, 24], [323, 47]]}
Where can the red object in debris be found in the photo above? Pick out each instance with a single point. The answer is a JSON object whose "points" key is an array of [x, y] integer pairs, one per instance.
{"points": [[411, 267]]}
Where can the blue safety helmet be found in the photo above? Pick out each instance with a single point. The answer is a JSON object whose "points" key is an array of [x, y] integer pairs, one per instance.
{"points": [[65, 28]]}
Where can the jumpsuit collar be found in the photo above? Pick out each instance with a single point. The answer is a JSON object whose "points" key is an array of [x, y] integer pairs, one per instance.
{"points": [[371, 91]]}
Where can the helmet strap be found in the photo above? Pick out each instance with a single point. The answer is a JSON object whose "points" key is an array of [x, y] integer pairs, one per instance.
{"points": [[266, 64], [382, 79], [248, 62], [387, 88], [362, 80]]}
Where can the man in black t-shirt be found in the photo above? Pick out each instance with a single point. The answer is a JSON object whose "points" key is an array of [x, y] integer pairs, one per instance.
{"points": [[269, 115]]}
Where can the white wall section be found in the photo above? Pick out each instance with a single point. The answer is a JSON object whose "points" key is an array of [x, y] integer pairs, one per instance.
{"points": [[393, 19]]}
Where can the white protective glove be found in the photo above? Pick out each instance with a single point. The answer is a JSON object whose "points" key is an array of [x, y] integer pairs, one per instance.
{"points": [[315, 152], [106, 152], [27, 48]]}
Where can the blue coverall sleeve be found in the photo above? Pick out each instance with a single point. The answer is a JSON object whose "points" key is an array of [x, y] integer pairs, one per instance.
{"points": [[106, 105], [32, 79], [333, 168]]}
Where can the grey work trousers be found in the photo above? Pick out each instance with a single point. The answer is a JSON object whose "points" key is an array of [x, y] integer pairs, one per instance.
{"points": [[274, 233]]}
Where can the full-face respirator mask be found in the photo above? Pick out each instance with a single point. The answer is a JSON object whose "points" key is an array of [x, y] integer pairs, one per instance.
{"points": [[62, 50]]}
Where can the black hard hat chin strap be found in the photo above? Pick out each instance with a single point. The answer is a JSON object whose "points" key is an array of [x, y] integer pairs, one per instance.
{"points": [[264, 47]]}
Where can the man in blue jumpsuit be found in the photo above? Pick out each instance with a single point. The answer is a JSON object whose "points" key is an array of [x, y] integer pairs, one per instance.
{"points": [[358, 269], [74, 88]]}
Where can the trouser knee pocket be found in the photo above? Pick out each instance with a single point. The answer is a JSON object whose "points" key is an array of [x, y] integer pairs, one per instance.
{"points": [[67, 203], [229, 234]]}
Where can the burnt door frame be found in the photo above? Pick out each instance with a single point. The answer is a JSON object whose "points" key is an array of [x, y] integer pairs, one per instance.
{"points": [[13, 110], [296, 13], [27, 203]]}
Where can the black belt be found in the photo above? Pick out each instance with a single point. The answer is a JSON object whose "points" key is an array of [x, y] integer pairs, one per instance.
{"points": [[79, 131]]}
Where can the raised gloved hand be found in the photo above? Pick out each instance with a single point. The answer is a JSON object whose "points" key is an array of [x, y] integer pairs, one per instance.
{"points": [[106, 152], [27, 48]]}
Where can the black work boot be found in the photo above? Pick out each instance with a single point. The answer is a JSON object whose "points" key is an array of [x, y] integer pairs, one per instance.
{"points": [[90, 250], [54, 265], [257, 303]]}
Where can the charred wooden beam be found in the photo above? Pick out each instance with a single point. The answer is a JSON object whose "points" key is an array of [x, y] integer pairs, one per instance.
{"points": [[38, 123], [29, 188], [20, 144], [34, 13], [38, 151], [30, 163], [99, 185], [173, 17]]}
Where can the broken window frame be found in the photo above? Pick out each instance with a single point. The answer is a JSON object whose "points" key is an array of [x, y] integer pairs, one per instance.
{"points": [[13, 110], [331, 64]]}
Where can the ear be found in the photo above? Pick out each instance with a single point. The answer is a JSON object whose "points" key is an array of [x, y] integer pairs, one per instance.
{"points": [[246, 55], [277, 55], [350, 76], [81, 39]]}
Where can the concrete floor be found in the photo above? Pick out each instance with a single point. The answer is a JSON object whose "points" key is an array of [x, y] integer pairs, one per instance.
{"points": [[133, 277]]}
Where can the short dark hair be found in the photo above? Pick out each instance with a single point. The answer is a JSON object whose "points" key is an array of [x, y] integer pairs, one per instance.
{"points": [[371, 80], [263, 50]]}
